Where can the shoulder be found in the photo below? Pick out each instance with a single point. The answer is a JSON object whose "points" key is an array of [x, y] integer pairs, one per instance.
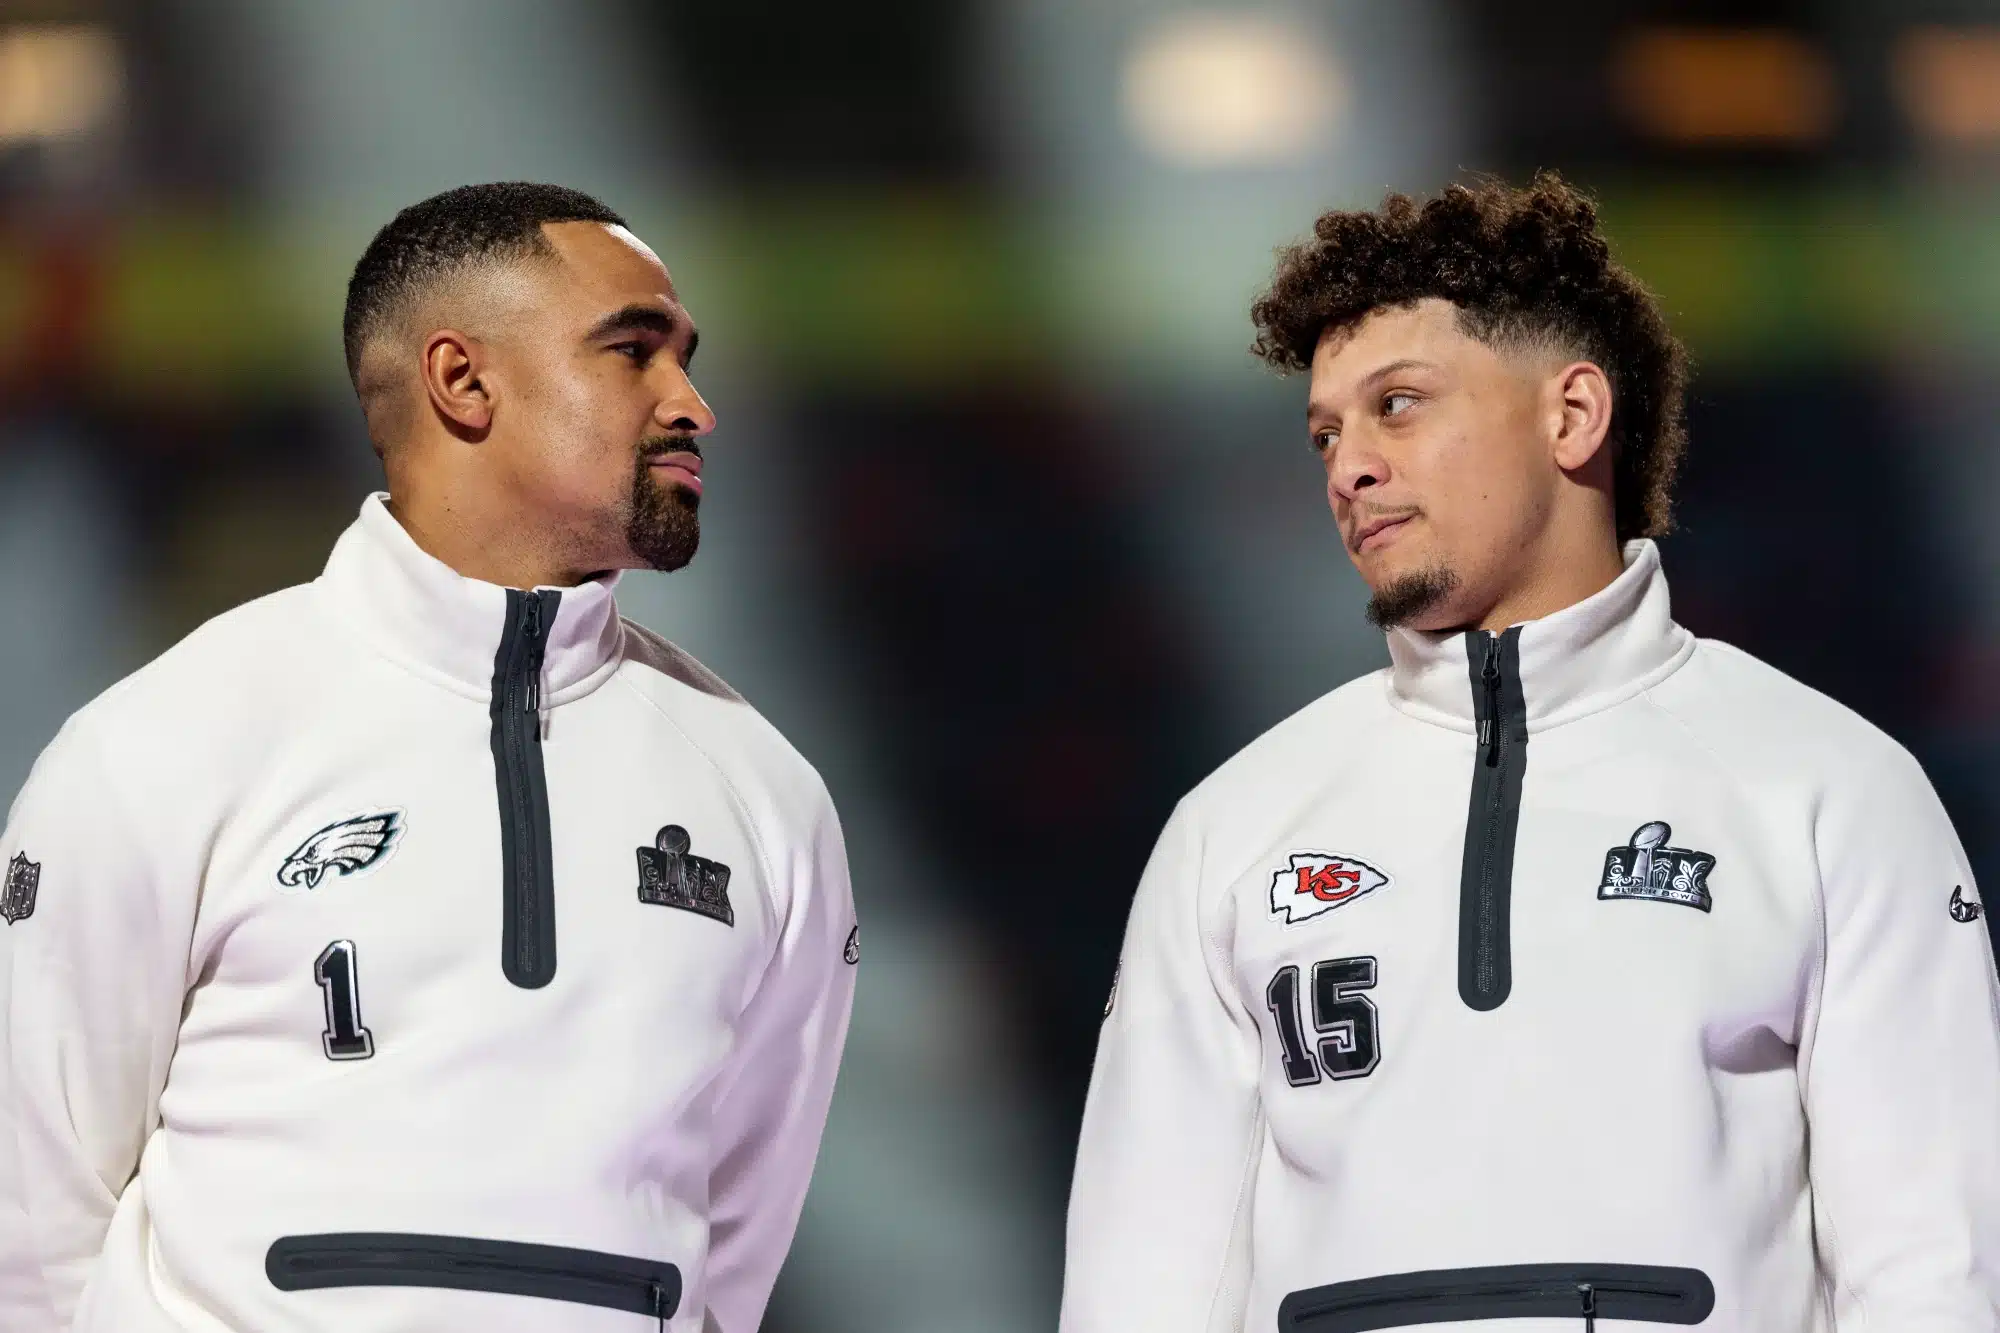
{"points": [[200, 711], [1270, 765], [750, 753], [1764, 724], [1728, 693], [219, 676], [1878, 831], [1231, 816], [653, 653]]}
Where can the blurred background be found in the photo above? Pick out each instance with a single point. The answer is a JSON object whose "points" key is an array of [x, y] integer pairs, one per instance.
{"points": [[1005, 529]]}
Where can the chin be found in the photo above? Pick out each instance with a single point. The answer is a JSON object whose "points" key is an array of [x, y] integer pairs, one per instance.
{"points": [[1443, 620], [1419, 596]]}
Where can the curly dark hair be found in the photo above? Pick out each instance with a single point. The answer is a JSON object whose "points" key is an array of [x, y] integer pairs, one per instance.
{"points": [[1521, 265]]}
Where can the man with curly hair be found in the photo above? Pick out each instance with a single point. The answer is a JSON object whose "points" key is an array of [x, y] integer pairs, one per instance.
{"points": [[1571, 967]]}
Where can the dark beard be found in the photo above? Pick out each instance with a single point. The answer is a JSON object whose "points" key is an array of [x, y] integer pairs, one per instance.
{"points": [[664, 525], [1410, 596]]}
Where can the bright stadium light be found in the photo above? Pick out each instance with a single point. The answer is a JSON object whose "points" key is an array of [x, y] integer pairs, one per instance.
{"points": [[1740, 85], [1211, 89], [1948, 81], [57, 81]]}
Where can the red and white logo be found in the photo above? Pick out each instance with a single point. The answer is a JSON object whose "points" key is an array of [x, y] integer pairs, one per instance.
{"points": [[1314, 883]]}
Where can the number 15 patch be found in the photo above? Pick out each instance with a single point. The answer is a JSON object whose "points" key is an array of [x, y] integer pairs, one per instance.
{"points": [[1314, 883]]}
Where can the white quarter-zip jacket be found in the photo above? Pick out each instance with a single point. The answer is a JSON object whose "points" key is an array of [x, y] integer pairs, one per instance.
{"points": [[400, 953], [1590, 971]]}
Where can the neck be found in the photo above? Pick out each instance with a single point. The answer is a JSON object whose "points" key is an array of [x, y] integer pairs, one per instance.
{"points": [[481, 540], [1561, 575], [1575, 660]]}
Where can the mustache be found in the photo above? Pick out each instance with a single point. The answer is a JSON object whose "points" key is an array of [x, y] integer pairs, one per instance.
{"points": [[1369, 513], [659, 446]]}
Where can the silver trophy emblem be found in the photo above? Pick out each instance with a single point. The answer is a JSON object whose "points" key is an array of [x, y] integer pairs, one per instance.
{"points": [[1648, 868]]}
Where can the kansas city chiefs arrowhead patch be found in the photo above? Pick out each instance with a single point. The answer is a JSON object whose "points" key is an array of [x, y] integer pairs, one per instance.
{"points": [[1314, 883]]}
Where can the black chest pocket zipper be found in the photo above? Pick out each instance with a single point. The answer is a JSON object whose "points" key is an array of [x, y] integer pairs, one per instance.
{"points": [[1500, 763], [466, 1263], [528, 911], [1642, 1293]]}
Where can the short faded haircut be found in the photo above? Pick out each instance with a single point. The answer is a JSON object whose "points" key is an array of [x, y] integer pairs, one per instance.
{"points": [[432, 242]]}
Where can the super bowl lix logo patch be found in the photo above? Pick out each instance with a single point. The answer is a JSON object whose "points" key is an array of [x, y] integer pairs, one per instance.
{"points": [[1651, 870], [17, 899], [1312, 884], [673, 876]]}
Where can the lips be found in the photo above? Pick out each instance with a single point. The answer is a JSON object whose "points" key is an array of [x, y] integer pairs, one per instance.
{"points": [[1378, 531], [681, 467]]}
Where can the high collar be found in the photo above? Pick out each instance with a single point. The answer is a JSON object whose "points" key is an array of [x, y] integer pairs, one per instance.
{"points": [[416, 609], [1580, 660]]}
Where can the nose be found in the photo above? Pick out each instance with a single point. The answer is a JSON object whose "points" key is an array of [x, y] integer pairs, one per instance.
{"points": [[681, 409], [1355, 467]]}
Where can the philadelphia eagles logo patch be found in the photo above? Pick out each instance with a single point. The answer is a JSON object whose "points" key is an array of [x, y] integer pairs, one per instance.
{"points": [[1651, 870], [347, 847], [1962, 909], [673, 876], [1312, 884]]}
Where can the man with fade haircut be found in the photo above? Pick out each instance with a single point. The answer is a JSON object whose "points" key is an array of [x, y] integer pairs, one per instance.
{"points": [[426, 947], [1571, 968]]}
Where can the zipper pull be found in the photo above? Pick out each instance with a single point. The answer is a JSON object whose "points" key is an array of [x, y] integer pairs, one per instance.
{"points": [[1588, 1293], [531, 625], [1489, 676], [659, 1295]]}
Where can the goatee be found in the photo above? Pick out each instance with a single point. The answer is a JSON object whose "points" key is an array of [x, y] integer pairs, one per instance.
{"points": [[663, 527], [1402, 600]]}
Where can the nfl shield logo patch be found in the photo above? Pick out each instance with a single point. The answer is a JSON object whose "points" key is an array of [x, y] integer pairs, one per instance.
{"points": [[17, 899], [1314, 883]]}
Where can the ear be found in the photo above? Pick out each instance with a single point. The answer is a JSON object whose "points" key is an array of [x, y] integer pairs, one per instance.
{"points": [[1581, 414], [457, 370]]}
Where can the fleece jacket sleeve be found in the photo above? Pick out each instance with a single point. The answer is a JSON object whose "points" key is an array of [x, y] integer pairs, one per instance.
{"points": [[93, 963], [772, 1111], [1171, 1125], [1900, 1064]]}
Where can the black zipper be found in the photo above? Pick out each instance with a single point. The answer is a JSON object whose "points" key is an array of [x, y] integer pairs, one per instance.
{"points": [[1500, 760], [1643, 1293], [528, 921], [469, 1263]]}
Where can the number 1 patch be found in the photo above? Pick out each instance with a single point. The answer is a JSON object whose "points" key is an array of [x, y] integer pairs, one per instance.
{"points": [[344, 1038]]}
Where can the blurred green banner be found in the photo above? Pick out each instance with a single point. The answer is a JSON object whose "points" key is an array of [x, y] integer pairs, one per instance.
{"points": [[916, 289]]}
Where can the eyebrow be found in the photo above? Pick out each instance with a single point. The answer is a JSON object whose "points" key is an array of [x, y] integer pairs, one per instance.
{"points": [[1380, 373], [1394, 367], [644, 319]]}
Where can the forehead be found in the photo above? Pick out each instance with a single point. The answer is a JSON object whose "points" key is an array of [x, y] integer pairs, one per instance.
{"points": [[1425, 331], [606, 267]]}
